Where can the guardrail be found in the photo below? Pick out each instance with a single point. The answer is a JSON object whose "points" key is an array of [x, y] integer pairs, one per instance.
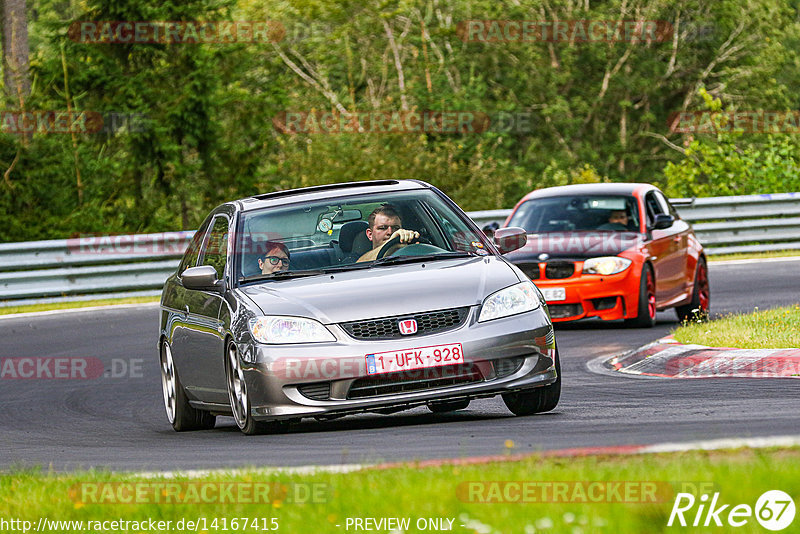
{"points": [[73, 269]]}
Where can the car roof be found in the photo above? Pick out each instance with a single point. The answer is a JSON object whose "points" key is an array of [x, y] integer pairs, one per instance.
{"points": [[321, 192], [590, 189]]}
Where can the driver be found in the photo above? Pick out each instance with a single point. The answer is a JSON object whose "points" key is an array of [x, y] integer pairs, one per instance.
{"points": [[385, 224], [617, 220]]}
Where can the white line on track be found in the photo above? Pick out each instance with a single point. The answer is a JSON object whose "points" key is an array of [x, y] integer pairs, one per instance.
{"points": [[75, 310], [752, 260]]}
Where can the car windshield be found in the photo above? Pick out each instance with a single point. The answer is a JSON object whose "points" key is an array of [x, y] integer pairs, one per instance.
{"points": [[577, 213], [311, 238]]}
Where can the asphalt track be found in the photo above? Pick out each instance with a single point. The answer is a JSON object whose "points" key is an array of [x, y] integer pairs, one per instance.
{"points": [[119, 423]]}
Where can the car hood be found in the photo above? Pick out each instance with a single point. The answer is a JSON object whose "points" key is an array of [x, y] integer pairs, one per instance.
{"points": [[385, 291], [575, 245]]}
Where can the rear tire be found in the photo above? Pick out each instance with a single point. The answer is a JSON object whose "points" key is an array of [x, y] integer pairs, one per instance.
{"points": [[646, 312], [181, 415], [448, 406], [542, 399], [697, 309], [240, 400]]}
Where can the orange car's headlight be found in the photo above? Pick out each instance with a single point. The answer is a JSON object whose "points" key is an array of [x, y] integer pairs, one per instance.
{"points": [[606, 265]]}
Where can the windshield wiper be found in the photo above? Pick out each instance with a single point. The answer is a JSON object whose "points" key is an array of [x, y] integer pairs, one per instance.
{"points": [[394, 260], [281, 275]]}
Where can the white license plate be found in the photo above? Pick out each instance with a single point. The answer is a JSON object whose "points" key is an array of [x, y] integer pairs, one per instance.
{"points": [[554, 294], [416, 358]]}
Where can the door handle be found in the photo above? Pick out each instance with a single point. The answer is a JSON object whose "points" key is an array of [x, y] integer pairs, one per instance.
{"points": [[677, 238]]}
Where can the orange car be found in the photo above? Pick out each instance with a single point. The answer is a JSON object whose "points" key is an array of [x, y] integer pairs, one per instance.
{"points": [[613, 251]]}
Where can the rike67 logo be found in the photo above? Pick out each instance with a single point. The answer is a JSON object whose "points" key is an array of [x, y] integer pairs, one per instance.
{"points": [[774, 510]]}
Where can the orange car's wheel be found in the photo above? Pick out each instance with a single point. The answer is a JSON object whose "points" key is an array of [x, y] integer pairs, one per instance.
{"points": [[697, 309], [646, 312]]}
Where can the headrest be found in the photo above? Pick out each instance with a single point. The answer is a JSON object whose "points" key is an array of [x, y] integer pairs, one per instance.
{"points": [[349, 232]]}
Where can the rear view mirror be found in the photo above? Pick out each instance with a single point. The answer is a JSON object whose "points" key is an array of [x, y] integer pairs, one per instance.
{"points": [[203, 278], [510, 238]]}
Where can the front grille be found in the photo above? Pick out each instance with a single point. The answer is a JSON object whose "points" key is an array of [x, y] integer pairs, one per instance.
{"points": [[316, 391], [559, 269], [559, 311], [531, 270], [508, 366], [415, 380], [427, 323]]}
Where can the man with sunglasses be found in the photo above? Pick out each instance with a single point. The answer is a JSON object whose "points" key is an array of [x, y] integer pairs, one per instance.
{"points": [[276, 258], [385, 224]]}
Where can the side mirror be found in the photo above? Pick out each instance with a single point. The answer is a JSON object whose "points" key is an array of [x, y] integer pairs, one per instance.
{"points": [[663, 221], [202, 278], [510, 238]]}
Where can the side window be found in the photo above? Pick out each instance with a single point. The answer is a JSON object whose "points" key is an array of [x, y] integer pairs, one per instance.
{"points": [[653, 207], [193, 250], [666, 205], [215, 252]]}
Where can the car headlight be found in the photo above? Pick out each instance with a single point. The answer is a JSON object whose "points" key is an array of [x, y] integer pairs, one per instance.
{"points": [[281, 329], [606, 265], [512, 300]]}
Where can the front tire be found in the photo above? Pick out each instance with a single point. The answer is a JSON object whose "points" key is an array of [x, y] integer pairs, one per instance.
{"points": [[542, 399], [697, 309], [180, 414], [240, 400], [646, 312]]}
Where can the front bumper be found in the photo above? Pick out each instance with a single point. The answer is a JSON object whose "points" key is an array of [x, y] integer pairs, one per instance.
{"points": [[608, 297], [279, 377]]}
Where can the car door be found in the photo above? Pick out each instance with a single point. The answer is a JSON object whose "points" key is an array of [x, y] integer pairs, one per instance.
{"points": [[664, 251], [203, 357], [173, 300], [680, 231]]}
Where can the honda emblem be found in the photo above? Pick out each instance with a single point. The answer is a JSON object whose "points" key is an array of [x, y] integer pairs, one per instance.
{"points": [[408, 326]]}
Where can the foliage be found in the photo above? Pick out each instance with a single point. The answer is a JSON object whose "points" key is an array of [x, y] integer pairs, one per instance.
{"points": [[593, 111]]}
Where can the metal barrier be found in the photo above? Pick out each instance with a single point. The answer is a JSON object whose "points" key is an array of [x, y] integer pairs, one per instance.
{"points": [[119, 265]]}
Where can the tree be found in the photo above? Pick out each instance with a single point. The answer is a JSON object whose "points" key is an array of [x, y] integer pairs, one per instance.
{"points": [[15, 52]]}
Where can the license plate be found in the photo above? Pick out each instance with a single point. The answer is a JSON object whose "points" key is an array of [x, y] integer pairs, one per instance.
{"points": [[553, 294], [416, 358]]}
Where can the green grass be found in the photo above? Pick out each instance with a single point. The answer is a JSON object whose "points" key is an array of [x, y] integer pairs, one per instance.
{"points": [[75, 304], [755, 255], [740, 476], [778, 328]]}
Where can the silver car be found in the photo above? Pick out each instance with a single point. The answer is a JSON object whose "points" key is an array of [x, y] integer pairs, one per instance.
{"points": [[271, 317]]}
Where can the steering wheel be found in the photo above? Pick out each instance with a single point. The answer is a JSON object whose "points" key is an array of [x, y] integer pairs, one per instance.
{"points": [[388, 246]]}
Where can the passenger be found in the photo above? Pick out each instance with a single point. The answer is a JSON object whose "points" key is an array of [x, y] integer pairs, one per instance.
{"points": [[617, 220], [276, 258], [385, 224]]}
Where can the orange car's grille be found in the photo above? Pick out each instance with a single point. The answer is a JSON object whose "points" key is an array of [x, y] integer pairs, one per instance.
{"points": [[559, 311], [559, 269], [531, 270]]}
